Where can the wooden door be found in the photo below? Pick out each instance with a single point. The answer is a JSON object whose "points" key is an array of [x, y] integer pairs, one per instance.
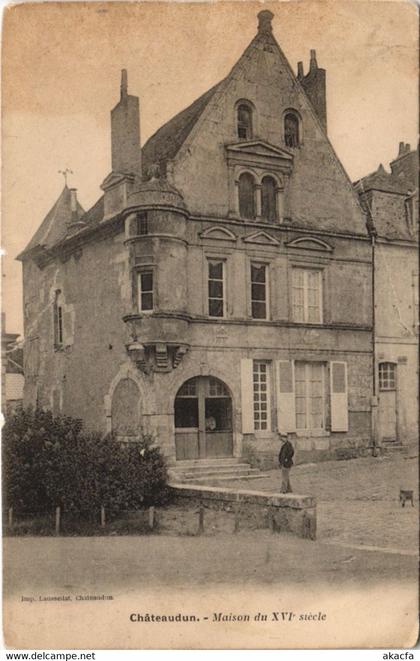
{"points": [[217, 406], [203, 420]]}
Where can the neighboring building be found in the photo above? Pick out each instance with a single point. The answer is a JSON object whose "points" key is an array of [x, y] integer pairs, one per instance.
{"points": [[391, 201], [12, 370], [220, 290]]}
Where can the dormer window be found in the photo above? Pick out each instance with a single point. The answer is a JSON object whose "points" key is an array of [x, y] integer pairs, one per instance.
{"points": [[269, 210], [246, 191], [244, 121], [291, 129]]}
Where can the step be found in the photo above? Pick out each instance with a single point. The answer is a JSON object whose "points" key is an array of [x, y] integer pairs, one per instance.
{"points": [[218, 461], [217, 470], [224, 478], [197, 470]]}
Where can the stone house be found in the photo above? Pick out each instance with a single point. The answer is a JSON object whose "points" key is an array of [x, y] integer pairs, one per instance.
{"points": [[391, 202], [219, 292]]}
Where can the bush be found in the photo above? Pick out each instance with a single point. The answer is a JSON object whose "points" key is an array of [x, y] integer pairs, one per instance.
{"points": [[50, 462]]}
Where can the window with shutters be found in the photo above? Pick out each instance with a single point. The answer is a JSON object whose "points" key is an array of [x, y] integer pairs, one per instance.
{"points": [[145, 291], [246, 192], [269, 199], [259, 291], [58, 320], [307, 295], [310, 396], [261, 388], [387, 376], [216, 288], [244, 121]]}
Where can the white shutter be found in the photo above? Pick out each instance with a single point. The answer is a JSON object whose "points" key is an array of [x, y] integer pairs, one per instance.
{"points": [[339, 396], [286, 413], [247, 396]]}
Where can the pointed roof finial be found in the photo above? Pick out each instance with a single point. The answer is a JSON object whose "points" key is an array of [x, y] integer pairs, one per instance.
{"points": [[124, 83], [264, 21]]}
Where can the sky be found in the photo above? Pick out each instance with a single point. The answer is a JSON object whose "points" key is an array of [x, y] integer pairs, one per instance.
{"points": [[61, 77]]}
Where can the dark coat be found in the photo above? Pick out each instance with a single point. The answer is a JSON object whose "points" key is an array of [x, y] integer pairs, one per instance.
{"points": [[286, 455]]}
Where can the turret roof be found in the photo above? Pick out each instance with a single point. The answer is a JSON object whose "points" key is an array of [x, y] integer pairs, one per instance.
{"points": [[54, 227]]}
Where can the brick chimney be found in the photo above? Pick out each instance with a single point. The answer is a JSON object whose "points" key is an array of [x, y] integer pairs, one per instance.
{"points": [[125, 132], [314, 84]]}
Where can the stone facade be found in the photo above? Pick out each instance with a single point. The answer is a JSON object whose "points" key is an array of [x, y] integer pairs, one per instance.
{"points": [[168, 309], [391, 201]]}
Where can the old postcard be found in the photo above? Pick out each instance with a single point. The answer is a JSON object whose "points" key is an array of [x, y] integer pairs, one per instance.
{"points": [[210, 324]]}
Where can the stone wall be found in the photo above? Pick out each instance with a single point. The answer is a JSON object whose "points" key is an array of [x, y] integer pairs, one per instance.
{"points": [[290, 513]]}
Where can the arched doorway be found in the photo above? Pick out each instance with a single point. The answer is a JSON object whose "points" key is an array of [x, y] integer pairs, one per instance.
{"points": [[203, 419]]}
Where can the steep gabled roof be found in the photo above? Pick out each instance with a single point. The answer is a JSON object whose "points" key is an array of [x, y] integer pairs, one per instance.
{"points": [[165, 143], [55, 224]]}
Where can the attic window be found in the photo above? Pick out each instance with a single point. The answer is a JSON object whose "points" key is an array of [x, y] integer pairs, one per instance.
{"points": [[291, 129], [244, 121]]}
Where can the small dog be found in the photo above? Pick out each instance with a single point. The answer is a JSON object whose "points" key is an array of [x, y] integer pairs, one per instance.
{"points": [[406, 495]]}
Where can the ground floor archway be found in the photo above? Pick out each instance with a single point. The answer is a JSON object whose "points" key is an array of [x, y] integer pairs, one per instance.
{"points": [[203, 419]]}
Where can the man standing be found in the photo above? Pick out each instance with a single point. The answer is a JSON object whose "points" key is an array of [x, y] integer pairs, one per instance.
{"points": [[286, 462]]}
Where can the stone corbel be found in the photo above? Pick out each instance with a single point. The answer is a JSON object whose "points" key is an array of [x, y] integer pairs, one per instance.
{"points": [[137, 353], [161, 353], [179, 354]]}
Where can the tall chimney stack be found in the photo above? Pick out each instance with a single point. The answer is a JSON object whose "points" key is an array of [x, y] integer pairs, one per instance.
{"points": [[300, 71], [314, 84], [125, 132]]}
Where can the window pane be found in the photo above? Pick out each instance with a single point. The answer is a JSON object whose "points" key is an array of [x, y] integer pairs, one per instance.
{"points": [[215, 289], [216, 270], [246, 196], [147, 301], [186, 412], [142, 224], [257, 273], [188, 389], [258, 292], [261, 399], [269, 199], [387, 376], [220, 410], [146, 281], [244, 122], [259, 310], [215, 307], [291, 130], [309, 388], [306, 296]]}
